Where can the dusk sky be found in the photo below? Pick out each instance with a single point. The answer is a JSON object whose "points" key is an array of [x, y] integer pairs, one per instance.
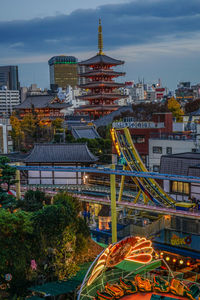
{"points": [[156, 38]]}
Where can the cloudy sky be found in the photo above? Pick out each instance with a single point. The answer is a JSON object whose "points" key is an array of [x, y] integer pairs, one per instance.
{"points": [[156, 38]]}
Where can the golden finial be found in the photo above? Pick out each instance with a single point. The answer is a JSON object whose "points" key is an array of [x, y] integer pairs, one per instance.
{"points": [[100, 39]]}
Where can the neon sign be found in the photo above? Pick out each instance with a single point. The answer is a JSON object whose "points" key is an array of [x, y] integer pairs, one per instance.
{"points": [[134, 249], [177, 241]]}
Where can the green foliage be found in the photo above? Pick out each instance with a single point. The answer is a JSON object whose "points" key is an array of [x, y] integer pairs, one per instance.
{"points": [[57, 123], [15, 245], [33, 200], [53, 236], [7, 178]]}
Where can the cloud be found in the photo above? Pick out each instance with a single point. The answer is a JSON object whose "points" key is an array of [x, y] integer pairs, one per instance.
{"points": [[137, 22]]}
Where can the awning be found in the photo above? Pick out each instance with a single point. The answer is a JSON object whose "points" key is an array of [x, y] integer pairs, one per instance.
{"points": [[180, 251]]}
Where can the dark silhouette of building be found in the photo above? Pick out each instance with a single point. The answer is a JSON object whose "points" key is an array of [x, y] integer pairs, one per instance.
{"points": [[9, 77]]}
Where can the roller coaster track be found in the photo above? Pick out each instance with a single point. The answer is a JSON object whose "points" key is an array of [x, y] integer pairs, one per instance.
{"points": [[148, 186]]}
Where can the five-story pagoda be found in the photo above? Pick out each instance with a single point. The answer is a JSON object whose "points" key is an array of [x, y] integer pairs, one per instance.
{"points": [[103, 90]]}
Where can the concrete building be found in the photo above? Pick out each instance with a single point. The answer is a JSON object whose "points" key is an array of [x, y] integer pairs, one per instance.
{"points": [[141, 131], [63, 71], [185, 164], [9, 77], [167, 144], [8, 100], [6, 144]]}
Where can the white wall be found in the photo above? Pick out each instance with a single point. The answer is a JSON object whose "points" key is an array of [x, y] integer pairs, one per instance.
{"points": [[178, 146]]}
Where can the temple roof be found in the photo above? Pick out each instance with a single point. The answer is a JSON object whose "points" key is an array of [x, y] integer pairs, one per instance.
{"points": [[88, 132], [102, 96], [94, 84], [42, 102], [101, 59], [102, 72], [97, 107], [57, 153]]}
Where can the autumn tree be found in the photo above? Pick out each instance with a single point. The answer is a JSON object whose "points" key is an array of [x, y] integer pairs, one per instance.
{"points": [[17, 133], [174, 106]]}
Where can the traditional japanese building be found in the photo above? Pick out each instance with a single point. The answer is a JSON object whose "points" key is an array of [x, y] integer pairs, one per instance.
{"points": [[103, 90], [47, 107]]}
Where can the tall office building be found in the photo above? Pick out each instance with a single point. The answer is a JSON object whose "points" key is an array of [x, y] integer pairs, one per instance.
{"points": [[63, 71], [9, 77], [8, 100]]}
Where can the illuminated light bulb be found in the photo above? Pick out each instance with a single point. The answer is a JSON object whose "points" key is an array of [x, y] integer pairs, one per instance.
{"points": [[181, 262], [167, 258], [188, 263], [174, 260], [161, 253]]}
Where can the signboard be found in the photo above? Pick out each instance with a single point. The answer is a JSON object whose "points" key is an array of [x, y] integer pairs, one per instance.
{"points": [[137, 125]]}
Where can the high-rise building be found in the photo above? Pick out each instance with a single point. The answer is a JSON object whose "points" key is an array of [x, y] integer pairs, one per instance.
{"points": [[63, 71], [8, 100], [9, 77]]}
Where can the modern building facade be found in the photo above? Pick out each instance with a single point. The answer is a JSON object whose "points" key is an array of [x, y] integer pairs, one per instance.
{"points": [[63, 71], [167, 144], [6, 144], [8, 100], [182, 164], [9, 77], [103, 90]]}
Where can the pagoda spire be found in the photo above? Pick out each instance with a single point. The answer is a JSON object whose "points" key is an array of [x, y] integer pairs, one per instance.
{"points": [[100, 39]]}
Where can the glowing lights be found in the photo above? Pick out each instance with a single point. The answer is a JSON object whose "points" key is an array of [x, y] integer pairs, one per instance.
{"points": [[188, 263], [174, 260], [167, 258], [112, 132], [181, 262]]}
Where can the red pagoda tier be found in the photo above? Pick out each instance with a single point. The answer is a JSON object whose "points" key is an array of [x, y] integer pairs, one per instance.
{"points": [[103, 90]]}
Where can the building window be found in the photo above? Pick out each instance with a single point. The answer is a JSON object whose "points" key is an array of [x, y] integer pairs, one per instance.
{"points": [[178, 187], [156, 168], [169, 150], [138, 139], [157, 150]]}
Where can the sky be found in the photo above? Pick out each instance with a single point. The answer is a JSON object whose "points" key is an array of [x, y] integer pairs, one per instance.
{"points": [[155, 38]]}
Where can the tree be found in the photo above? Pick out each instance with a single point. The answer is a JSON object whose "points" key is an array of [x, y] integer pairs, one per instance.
{"points": [[175, 108], [15, 245], [7, 178], [57, 123], [17, 133], [33, 200]]}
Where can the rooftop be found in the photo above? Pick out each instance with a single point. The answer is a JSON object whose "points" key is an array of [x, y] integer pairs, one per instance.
{"points": [[102, 60], [88, 132], [179, 164], [61, 153], [45, 101]]}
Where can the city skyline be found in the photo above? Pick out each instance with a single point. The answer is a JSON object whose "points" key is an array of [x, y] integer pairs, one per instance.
{"points": [[157, 39]]}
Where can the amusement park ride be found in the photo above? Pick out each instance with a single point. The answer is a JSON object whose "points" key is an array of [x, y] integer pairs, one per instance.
{"points": [[131, 269], [155, 198]]}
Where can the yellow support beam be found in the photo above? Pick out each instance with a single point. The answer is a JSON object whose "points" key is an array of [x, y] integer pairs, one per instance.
{"points": [[121, 185], [17, 184], [113, 205], [137, 196]]}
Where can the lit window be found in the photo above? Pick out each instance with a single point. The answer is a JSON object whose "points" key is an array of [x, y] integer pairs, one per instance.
{"points": [[180, 187]]}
